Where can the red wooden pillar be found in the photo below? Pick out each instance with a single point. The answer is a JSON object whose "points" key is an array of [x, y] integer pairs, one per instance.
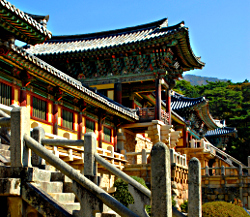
{"points": [[118, 92], [115, 138], [168, 104], [23, 97], [185, 136], [55, 118], [158, 99], [100, 132], [79, 126]]}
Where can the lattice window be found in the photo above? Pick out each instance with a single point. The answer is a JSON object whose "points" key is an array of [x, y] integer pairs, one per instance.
{"points": [[67, 119], [90, 126], [39, 108], [5, 94], [107, 134]]}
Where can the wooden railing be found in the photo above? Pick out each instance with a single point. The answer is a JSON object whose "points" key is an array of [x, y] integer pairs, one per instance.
{"points": [[147, 114]]}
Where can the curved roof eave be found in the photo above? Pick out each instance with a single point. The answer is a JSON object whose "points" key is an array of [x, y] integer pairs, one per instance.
{"points": [[22, 25]]}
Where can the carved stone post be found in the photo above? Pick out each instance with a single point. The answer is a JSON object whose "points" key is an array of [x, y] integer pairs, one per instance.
{"points": [[161, 181], [20, 125], [38, 134], [90, 166], [194, 188]]}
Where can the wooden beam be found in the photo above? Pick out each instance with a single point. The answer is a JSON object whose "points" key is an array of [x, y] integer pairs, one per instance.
{"points": [[136, 125]]}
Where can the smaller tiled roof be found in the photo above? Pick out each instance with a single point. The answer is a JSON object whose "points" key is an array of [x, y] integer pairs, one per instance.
{"points": [[22, 25], [221, 131], [179, 101]]}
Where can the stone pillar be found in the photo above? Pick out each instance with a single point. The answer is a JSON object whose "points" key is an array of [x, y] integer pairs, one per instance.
{"points": [[154, 131], [90, 167], [120, 140], [160, 181], [38, 134], [23, 96], [172, 151], [20, 125], [79, 132], [158, 99], [55, 118], [118, 92], [168, 104], [144, 156], [194, 188]]}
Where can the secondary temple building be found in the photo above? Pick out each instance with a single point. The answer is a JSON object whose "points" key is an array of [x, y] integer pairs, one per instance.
{"points": [[117, 84]]}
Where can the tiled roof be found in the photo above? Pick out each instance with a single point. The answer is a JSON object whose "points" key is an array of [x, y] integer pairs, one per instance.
{"points": [[24, 27], [26, 60], [117, 38], [200, 105], [95, 41], [221, 131], [179, 101]]}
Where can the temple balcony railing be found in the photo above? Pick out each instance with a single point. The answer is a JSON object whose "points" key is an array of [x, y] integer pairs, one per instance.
{"points": [[148, 114], [208, 147]]}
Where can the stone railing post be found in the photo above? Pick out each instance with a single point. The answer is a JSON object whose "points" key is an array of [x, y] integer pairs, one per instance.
{"points": [[20, 125], [38, 134], [223, 172], [172, 151], [194, 188], [111, 149], [120, 140], [90, 167], [207, 170], [144, 156], [192, 143], [161, 181], [185, 160]]}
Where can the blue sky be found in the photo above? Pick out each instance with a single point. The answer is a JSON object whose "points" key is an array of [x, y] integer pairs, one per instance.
{"points": [[219, 30]]}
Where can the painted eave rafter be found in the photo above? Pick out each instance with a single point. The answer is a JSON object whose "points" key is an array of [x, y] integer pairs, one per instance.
{"points": [[38, 68], [22, 25]]}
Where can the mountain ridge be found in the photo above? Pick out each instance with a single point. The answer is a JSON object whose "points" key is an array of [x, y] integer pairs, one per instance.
{"points": [[201, 80]]}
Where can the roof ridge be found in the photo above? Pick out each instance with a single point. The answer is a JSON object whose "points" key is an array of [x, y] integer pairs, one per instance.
{"points": [[155, 24]]}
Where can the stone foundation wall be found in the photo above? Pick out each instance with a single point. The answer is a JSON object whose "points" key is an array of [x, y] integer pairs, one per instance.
{"points": [[135, 143], [219, 188], [106, 178]]}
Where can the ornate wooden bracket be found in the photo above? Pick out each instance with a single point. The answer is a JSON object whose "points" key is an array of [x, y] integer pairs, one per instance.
{"points": [[58, 93], [25, 77]]}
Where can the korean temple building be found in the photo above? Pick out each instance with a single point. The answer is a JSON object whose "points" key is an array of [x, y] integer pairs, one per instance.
{"points": [[117, 84]]}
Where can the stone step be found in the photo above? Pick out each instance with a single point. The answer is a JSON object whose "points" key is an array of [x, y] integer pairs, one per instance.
{"points": [[4, 147], [50, 187], [70, 207], [63, 197], [59, 177], [41, 175]]}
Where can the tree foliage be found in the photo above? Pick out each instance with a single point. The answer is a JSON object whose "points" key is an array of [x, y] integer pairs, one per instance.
{"points": [[227, 101]]}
